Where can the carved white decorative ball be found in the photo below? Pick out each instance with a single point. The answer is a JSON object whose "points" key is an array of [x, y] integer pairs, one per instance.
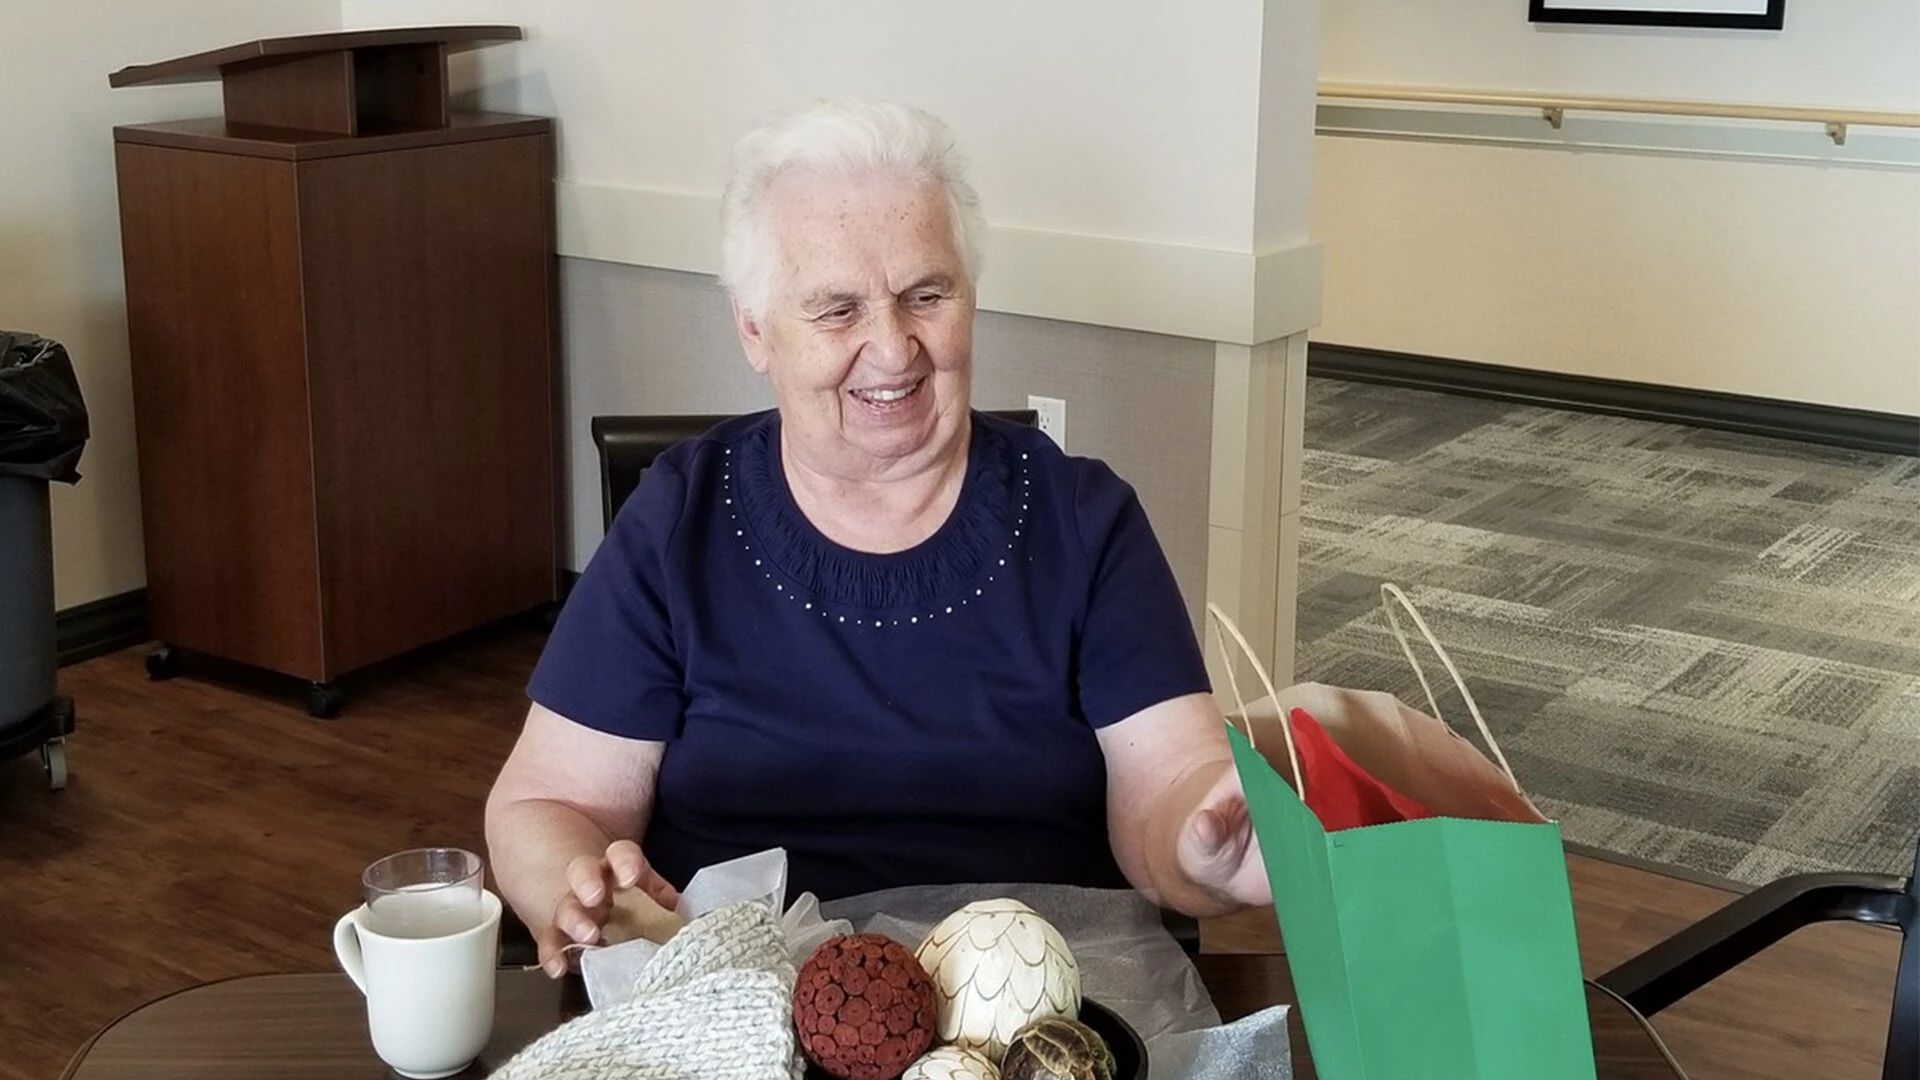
{"points": [[998, 966], [951, 1063]]}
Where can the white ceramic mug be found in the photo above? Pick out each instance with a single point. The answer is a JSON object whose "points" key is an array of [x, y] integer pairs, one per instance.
{"points": [[429, 999]]}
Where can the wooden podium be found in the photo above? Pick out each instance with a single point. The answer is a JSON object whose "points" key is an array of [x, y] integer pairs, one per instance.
{"points": [[340, 306]]}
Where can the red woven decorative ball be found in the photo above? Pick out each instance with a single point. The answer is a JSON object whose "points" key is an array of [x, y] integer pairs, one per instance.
{"points": [[863, 1007]]}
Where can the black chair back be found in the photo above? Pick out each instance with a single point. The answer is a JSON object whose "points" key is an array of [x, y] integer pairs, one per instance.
{"points": [[628, 445]]}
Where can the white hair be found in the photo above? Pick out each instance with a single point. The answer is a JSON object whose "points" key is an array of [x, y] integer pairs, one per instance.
{"points": [[843, 136]]}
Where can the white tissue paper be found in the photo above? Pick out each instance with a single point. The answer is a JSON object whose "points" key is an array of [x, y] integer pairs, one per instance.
{"points": [[761, 876], [610, 972], [1129, 962]]}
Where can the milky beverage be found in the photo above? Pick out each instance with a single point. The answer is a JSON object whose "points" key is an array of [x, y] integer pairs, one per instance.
{"points": [[424, 949], [424, 910]]}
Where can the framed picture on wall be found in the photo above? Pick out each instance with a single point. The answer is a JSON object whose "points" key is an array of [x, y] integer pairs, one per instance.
{"points": [[1735, 14]]}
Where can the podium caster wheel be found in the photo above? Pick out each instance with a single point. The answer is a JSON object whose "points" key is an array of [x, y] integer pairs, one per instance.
{"points": [[163, 663], [53, 758], [324, 700]]}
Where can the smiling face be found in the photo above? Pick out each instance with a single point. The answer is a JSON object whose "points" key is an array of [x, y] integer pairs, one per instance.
{"points": [[867, 336]]}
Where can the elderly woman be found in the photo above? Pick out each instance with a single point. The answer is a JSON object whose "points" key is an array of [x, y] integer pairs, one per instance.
{"points": [[902, 640]]}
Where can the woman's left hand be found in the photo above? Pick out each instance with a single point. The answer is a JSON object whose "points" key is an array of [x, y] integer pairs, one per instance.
{"points": [[1217, 849]]}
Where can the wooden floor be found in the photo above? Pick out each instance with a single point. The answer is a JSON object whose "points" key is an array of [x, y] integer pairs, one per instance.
{"points": [[212, 831]]}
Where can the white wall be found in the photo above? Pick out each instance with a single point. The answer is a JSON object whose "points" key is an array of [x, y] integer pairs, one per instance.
{"points": [[59, 224], [1864, 53], [1134, 120], [1797, 280], [1141, 167], [1289, 72]]}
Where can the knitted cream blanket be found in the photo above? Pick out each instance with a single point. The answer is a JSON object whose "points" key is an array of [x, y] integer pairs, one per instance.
{"points": [[716, 1003]]}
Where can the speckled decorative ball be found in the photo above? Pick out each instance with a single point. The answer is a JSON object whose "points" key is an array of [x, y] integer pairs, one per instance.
{"points": [[952, 1063], [863, 1007], [1057, 1048], [998, 966]]}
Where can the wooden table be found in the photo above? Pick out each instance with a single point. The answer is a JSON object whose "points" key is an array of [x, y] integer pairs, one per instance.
{"points": [[313, 1027]]}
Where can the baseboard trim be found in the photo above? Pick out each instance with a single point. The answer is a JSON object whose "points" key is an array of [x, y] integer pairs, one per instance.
{"points": [[1854, 429], [101, 626]]}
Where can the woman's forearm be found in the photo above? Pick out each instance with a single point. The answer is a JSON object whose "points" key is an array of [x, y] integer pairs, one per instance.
{"points": [[530, 843], [565, 791]]}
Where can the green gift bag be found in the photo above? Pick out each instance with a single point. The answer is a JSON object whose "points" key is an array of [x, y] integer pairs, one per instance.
{"points": [[1440, 948]]}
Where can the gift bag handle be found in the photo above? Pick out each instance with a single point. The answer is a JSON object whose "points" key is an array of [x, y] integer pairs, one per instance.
{"points": [[1391, 592], [1219, 620]]}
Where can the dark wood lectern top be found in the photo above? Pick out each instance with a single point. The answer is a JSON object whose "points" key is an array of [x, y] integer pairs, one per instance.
{"points": [[348, 83], [206, 66]]}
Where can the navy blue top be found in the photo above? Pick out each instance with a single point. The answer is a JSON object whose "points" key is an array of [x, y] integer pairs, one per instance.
{"points": [[920, 717]]}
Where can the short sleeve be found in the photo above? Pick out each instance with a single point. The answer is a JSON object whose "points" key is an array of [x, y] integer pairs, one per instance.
{"points": [[610, 662], [1137, 646]]}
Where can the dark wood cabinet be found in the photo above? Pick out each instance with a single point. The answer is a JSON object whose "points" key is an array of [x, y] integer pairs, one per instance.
{"points": [[341, 317]]}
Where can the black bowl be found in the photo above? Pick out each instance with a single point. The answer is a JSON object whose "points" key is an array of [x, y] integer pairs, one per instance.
{"points": [[1129, 1050]]}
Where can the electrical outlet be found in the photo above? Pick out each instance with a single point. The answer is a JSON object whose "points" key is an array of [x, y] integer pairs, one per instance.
{"points": [[1053, 417]]}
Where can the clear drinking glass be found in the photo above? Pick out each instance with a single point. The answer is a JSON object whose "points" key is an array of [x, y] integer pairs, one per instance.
{"points": [[423, 892]]}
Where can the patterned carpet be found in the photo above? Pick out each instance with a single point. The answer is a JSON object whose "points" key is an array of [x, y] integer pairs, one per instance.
{"points": [[1698, 648]]}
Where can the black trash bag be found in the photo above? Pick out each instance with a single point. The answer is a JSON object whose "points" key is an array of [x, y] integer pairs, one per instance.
{"points": [[43, 419]]}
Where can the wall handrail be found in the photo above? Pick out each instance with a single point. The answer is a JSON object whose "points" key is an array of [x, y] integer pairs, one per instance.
{"points": [[1554, 107]]}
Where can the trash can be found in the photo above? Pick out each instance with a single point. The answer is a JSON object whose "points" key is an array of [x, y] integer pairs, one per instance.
{"points": [[43, 430]]}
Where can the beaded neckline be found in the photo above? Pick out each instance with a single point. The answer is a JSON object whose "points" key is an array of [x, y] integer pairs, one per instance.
{"points": [[939, 577]]}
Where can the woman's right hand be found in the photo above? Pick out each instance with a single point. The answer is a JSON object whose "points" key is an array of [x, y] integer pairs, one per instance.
{"points": [[583, 909]]}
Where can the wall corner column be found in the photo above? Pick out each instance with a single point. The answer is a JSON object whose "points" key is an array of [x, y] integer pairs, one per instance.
{"points": [[1253, 520]]}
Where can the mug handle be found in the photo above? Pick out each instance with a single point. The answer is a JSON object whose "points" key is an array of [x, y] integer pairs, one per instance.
{"points": [[346, 949]]}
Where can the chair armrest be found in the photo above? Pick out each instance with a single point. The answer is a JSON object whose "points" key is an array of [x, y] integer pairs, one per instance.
{"points": [[1718, 943]]}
